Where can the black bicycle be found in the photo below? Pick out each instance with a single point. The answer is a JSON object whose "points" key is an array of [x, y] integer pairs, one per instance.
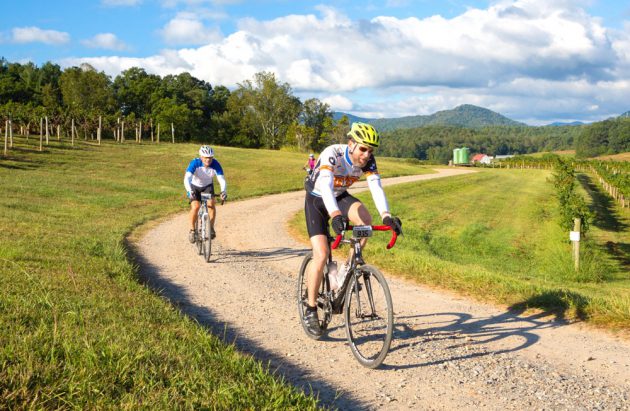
{"points": [[363, 297]]}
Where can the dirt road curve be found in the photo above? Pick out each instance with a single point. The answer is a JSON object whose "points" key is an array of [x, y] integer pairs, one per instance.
{"points": [[448, 352]]}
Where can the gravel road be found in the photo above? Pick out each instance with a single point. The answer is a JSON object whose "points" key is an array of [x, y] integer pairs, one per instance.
{"points": [[448, 352]]}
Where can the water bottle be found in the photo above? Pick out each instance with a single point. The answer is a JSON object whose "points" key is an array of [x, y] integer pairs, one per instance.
{"points": [[342, 271], [332, 275]]}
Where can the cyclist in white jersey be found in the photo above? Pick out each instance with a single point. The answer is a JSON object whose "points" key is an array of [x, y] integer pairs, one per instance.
{"points": [[199, 178], [337, 168]]}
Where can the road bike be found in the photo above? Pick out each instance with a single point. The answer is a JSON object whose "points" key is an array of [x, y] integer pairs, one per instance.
{"points": [[363, 298], [203, 237]]}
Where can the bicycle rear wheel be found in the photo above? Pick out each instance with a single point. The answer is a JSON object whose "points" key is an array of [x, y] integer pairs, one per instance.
{"points": [[207, 238], [369, 316], [324, 311]]}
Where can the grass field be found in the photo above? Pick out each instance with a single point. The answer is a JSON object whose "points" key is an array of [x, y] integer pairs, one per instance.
{"points": [[494, 236], [78, 329], [615, 157]]}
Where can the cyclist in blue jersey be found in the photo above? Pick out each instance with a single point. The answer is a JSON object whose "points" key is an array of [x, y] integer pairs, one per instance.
{"points": [[199, 178], [337, 168]]}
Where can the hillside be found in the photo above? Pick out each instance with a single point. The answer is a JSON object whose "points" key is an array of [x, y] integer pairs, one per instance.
{"points": [[466, 115]]}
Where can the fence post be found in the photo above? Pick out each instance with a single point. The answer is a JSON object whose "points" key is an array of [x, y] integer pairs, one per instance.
{"points": [[575, 239], [41, 132], [46, 130], [5, 137], [173, 133]]}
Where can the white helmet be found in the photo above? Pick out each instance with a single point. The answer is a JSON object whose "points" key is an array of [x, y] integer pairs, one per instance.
{"points": [[206, 151]]}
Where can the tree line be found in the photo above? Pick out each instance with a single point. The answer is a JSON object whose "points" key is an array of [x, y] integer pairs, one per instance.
{"points": [[261, 112], [436, 143]]}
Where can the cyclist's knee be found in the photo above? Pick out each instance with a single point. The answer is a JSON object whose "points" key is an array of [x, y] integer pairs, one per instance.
{"points": [[359, 215]]}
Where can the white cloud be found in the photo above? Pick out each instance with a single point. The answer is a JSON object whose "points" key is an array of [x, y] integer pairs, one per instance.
{"points": [[338, 102], [107, 41], [37, 35], [186, 28], [528, 58]]}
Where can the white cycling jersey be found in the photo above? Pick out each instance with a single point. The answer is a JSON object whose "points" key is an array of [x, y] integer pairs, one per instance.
{"points": [[200, 176], [334, 173]]}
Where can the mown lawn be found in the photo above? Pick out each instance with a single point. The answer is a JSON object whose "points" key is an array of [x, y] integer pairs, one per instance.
{"points": [[78, 328], [494, 236]]}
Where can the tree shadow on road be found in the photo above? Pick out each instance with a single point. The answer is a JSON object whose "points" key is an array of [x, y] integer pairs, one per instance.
{"points": [[261, 254]]}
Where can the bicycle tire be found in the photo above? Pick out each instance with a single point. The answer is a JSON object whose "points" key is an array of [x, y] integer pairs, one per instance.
{"points": [[207, 238], [198, 239], [302, 298], [370, 336]]}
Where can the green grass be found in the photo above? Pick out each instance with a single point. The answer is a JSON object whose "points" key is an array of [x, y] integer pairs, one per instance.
{"points": [[494, 236], [78, 329]]}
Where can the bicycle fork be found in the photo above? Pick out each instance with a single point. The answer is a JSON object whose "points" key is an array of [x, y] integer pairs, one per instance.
{"points": [[359, 312]]}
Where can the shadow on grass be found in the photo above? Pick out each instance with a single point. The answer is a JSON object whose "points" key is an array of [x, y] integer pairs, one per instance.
{"points": [[284, 368], [606, 217], [603, 206], [468, 336]]}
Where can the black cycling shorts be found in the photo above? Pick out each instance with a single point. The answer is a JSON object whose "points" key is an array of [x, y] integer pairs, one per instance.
{"points": [[195, 194], [317, 216]]}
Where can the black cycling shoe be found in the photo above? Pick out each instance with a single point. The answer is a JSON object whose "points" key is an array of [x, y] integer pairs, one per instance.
{"points": [[213, 234], [312, 322], [192, 236]]}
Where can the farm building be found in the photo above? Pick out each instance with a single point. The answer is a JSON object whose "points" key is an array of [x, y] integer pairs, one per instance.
{"points": [[481, 158]]}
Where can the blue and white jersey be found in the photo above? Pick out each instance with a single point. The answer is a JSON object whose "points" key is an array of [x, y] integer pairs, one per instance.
{"points": [[200, 176]]}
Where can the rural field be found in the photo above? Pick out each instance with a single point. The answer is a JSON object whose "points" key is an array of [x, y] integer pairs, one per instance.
{"points": [[84, 331], [80, 330]]}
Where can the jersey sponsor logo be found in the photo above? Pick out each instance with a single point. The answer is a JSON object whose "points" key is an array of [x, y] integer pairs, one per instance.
{"points": [[345, 181], [332, 160]]}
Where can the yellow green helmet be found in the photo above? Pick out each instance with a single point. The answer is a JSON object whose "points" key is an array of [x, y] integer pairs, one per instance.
{"points": [[365, 134]]}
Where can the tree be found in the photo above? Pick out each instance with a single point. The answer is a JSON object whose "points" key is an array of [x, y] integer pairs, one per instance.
{"points": [[136, 91], [86, 93], [316, 117], [268, 108], [167, 111]]}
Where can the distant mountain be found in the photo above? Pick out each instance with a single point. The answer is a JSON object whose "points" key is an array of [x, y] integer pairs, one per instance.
{"points": [[337, 116], [465, 115], [560, 123], [626, 114]]}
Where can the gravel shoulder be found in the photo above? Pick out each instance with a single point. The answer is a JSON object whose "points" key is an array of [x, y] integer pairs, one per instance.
{"points": [[448, 351]]}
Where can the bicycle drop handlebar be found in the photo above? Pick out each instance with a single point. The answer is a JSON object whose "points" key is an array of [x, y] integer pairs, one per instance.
{"points": [[391, 243]]}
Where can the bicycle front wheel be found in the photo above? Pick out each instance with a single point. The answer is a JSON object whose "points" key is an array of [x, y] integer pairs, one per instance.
{"points": [[207, 238], [199, 236], [369, 316]]}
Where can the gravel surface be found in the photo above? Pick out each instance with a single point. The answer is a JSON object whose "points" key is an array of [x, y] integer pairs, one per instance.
{"points": [[448, 352]]}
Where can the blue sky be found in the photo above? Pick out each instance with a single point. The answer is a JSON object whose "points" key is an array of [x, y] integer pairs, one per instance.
{"points": [[535, 61]]}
